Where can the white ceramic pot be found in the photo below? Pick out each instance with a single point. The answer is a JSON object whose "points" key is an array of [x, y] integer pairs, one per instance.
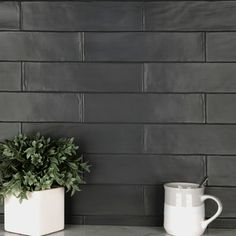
{"points": [[42, 213]]}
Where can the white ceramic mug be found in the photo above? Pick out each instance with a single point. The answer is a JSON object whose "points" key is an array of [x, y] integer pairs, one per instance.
{"points": [[184, 209]]}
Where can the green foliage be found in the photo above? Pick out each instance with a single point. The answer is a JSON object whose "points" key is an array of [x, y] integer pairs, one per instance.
{"points": [[34, 163]]}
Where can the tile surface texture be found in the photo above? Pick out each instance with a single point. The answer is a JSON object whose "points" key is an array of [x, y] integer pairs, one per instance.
{"points": [[146, 88]]}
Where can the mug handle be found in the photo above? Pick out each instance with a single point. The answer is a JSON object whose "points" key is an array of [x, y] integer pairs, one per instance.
{"points": [[205, 223]]}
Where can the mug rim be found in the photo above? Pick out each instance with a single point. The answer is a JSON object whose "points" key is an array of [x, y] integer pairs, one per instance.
{"points": [[173, 185]]}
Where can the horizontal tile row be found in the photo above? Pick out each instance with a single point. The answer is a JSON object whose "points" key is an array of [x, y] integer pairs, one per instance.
{"points": [[123, 16], [144, 169], [166, 139], [152, 46], [40, 107], [117, 46], [144, 108], [120, 77], [127, 200], [159, 139], [120, 108], [44, 46]]}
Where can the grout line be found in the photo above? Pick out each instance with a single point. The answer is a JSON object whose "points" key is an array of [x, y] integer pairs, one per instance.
{"points": [[21, 125], [122, 61], [145, 78], [206, 168], [223, 31], [138, 124], [83, 47], [203, 108], [83, 97], [23, 87], [131, 93], [144, 133], [143, 200], [205, 99], [143, 75], [204, 47]]}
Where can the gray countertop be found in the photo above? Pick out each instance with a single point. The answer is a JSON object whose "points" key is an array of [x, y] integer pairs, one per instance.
{"points": [[93, 230]]}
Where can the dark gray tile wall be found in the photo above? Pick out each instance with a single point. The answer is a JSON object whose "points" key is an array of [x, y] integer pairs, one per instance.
{"points": [[146, 88]]}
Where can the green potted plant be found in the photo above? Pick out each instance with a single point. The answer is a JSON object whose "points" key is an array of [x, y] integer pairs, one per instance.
{"points": [[34, 171]]}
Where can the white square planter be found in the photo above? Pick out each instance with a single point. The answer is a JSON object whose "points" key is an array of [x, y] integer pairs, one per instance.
{"points": [[41, 214]]}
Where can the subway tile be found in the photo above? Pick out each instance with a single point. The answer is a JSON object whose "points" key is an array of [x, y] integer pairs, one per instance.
{"points": [[190, 77], [190, 139], [190, 15], [143, 108], [221, 108], [125, 220], [9, 15], [82, 16], [40, 107], [154, 200], [95, 138], [10, 76], [98, 77], [221, 170], [40, 46], [221, 224], [8, 130], [107, 200], [140, 46], [221, 46], [144, 169], [227, 197]]}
